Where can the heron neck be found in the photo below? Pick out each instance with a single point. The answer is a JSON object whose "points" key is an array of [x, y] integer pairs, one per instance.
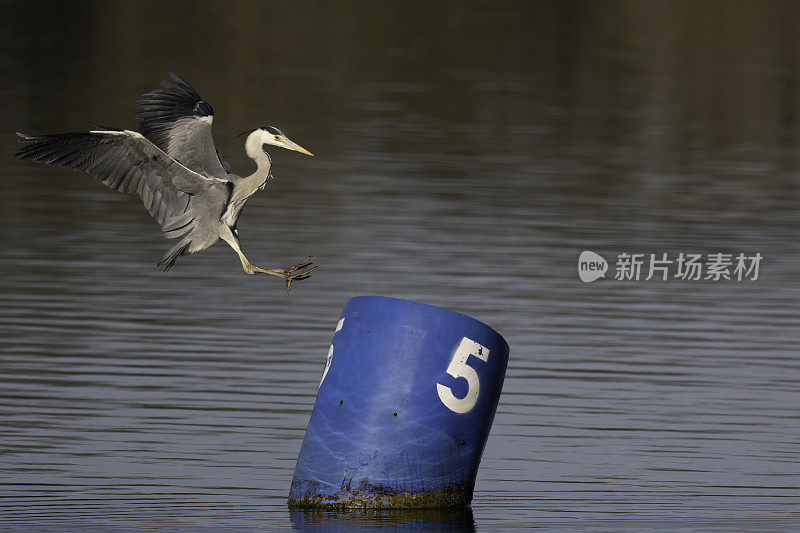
{"points": [[254, 149]]}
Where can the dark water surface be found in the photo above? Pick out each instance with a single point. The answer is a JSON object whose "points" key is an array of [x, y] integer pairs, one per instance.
{"points": [[466, 154]]}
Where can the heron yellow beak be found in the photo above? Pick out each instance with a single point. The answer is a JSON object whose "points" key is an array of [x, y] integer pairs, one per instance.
{"points": [[291, 145]]}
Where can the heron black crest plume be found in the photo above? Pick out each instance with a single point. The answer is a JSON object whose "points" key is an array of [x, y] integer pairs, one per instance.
{"points": [[246, 132], [174, 167]]}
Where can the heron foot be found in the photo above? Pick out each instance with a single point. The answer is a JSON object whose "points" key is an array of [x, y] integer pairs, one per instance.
{"points": [[298, 275], [299, 266], [298, 272]]}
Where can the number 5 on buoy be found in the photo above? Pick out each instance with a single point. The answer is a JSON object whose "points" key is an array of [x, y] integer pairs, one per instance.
{"points": [[458, 368]]}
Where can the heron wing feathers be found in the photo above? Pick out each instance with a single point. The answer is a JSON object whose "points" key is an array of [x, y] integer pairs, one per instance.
{"points": [[127, 162], [178, 121]]}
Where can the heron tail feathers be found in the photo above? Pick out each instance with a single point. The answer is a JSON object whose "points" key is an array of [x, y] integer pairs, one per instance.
{"points": [[169, 258]]}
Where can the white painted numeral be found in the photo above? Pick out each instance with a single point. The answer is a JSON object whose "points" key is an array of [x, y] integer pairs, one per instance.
{"points": [[330, 353], [459, 368]]}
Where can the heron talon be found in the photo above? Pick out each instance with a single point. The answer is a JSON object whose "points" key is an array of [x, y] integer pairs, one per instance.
{"points": [[298, 272], [299, 276], [301, 265]]}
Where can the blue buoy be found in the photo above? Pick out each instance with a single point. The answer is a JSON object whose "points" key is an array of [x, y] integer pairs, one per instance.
{"points": [[403, 410]]}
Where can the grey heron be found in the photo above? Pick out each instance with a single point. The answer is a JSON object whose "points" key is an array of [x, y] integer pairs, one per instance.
{"points": [[173, 165]]}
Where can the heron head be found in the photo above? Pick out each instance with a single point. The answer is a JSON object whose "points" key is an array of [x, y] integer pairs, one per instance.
{"points": [[274, 136]]}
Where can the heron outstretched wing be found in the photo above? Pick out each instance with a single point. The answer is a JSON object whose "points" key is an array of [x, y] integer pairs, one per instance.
{"points": [[128, 162], [177, 120]]}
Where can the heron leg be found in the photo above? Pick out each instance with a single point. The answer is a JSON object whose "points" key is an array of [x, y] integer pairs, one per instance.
{"points": [[297, 272]]}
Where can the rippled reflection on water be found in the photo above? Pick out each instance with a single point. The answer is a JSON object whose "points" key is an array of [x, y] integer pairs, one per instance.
{"points": [[466, 154]]}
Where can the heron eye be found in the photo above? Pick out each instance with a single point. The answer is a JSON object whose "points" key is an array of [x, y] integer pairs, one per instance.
{"points": [[277, 137]]}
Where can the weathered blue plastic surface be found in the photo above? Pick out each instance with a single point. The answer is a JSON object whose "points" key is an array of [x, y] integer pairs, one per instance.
{"points": [[381, 433]]}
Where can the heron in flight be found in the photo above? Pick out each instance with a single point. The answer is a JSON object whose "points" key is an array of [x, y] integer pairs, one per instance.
{"points": [[173, 166]]}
